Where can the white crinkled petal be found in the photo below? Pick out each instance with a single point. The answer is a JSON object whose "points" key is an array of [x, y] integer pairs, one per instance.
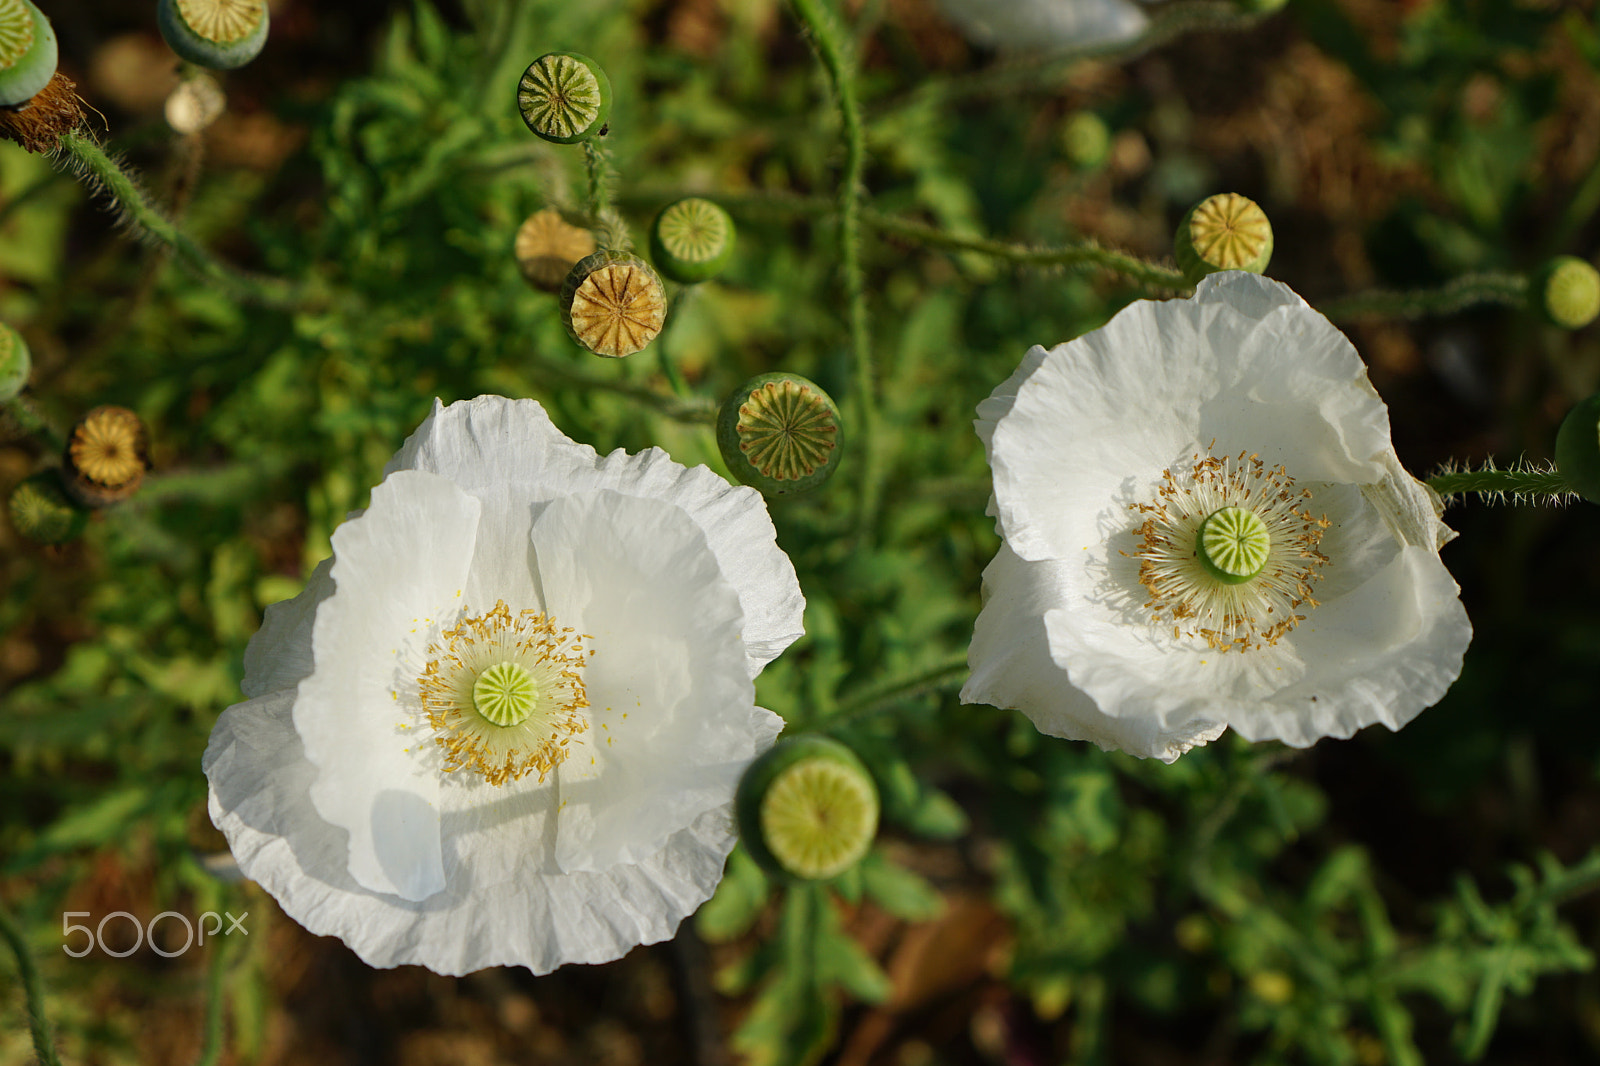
{"points": [[503, 905], [487, 444], [1382, 652], [1014, 665], [1163, 380], [279, 655], [669, 700], [1035, 24], [371, 783]]}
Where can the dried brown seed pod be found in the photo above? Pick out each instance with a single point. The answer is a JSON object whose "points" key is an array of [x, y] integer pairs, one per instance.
{"points": [[613, 303], [107, 453], [548, 246]]}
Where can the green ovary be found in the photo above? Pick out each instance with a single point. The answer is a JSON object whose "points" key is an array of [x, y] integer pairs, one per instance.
{"points": [[1233, 545], [504, 694]]}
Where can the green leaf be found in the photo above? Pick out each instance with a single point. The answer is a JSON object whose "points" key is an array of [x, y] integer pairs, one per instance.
{"points": [[899, 891], [738, 902]]}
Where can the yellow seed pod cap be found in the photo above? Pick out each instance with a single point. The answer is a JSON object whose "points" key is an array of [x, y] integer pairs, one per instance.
{"points": [[807, 809], [1223, 232]]}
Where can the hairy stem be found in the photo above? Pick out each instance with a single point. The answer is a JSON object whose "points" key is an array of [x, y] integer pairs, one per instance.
{"points": [[1078, 253], [1516, 486], [839, 62], [32, 989], [1466, 291], [91, 163]]}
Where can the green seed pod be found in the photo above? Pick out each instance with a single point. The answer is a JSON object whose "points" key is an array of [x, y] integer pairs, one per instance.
{"points": [[15, 363], [27, 52], [807, 809], [1260, 7], [564, 97], [1578, 449], [1223, 232], [548, 246], [41, 511], [692, 240], [1085, 140], [780, 434], [107, 454], [613, 304], [1566, 292], [220, 34]]}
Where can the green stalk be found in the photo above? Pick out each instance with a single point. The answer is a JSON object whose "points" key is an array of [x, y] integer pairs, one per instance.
{"points": [[839, 63], [91, 163], [1522, 485], [1466, 291], [895, 693], [1078, 253], [32, 989]]}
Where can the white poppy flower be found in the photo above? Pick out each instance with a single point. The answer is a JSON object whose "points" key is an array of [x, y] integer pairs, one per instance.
{"points": [[504, 723], [1039, 24], [1205, 525]]}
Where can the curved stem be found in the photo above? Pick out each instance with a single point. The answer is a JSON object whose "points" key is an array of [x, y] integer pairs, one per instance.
{"points": [[840, 65], [1079, 253], [1459, 294], [99, 170], [32, 989]]}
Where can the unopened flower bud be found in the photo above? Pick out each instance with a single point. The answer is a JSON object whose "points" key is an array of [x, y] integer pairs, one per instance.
{"points": [[107, 454], [565, 97], [692, 240], [41, 511], [15, 363], [1566, 291], [807, 809], [613, 304], [220, 34], [27, 52], [1578, 449], [1223, 232], [547, 248], [780, 434]]}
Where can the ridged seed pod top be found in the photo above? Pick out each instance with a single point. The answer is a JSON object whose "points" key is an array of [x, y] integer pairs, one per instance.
{"points": [[807, 809], [613, 304], [548, 246], [1567, 292], [564, 97], [692, 240], [220, 34], [108, 452], [780, 434], [27, 52], [1223, 232], [41, 512]]}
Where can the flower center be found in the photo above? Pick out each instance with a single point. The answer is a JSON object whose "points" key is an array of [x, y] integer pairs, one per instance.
{"points": [[504, 693], [1228, 552], [1233, 545]]}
